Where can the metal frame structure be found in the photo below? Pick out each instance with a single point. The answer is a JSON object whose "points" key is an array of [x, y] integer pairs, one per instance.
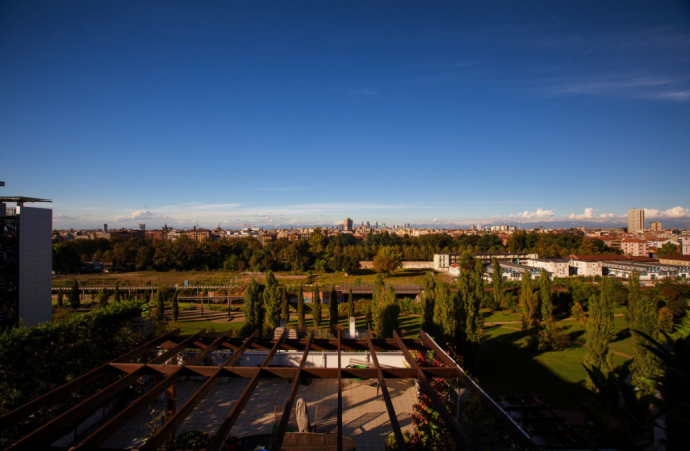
{"points": [[9, 269], [166, 370]]}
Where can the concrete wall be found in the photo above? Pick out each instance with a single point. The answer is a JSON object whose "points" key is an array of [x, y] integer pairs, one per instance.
{"points": [[35, 264]]}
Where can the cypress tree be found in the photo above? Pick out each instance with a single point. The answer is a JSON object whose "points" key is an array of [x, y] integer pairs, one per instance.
{"points": [[545, 296], [102, 298], [160, 303], [350, 306], [428, 302], [377, 305], [74, 300], [251, 305], [59, 299], [634, 298], [285, 305], [368, 317], [116, 294], [600, 329], [645, 365], [333, 307], [478, 280], [526, 302], [300, 308], [391, 313], [316, 307], [444, 312], [175, 307], [473, 317], [272, 308], [497, 283]]}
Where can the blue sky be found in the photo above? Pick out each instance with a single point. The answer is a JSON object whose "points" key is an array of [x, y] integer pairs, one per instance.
{"points": [[271, 113]]}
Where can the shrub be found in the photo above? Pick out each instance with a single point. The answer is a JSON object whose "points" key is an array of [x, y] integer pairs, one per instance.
{"points": [[192, 440]]}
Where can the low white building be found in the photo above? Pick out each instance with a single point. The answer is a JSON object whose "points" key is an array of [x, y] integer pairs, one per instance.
{"points": [[559, 267], [587, 267], [514, 271]]}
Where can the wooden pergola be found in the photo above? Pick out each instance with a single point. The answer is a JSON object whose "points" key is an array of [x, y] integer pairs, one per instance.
{"points": [[132, 366]]}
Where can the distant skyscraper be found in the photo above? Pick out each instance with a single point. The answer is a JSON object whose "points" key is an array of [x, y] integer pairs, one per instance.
{"points": [[655, 226], [636, 220], [348, 224]]}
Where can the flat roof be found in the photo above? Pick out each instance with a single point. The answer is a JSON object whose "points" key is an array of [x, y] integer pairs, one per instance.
{"points": [[22, 199]]}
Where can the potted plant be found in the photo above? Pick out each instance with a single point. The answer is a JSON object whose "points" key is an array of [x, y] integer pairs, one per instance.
{"points": [[232, 443]]}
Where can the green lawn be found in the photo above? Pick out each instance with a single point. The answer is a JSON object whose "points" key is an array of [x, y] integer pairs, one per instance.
{"points": [[192, 327], [505, 365]]}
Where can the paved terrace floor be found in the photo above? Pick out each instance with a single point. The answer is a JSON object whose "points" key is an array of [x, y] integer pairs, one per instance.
{"points": [[365, 418]]}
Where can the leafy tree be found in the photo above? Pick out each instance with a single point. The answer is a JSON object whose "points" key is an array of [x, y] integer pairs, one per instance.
{"points": [[285, 305], [350, 305], [665, 320], [175, 307], [378, 305], [600, 330], [497, 284], [674, 359], [612, 397], [316, 307], [333, 308], [368, 315], [667, 249], [65, 259], [74, 300], [387, 260], [300, 308]]}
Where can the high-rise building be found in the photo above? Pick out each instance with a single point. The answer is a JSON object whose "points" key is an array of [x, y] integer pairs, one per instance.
{"points": [[25, 262], [348, 224], [655, 226], [636, 220]]}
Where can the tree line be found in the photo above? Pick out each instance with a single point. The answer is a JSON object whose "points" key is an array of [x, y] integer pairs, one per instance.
{"points": [[341, 252]]}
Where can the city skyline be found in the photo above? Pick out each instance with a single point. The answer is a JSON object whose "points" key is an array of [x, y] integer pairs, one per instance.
{"points": [[305, 113]]}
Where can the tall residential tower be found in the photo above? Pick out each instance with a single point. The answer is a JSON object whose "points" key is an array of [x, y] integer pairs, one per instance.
{"points": [[636, 220]]}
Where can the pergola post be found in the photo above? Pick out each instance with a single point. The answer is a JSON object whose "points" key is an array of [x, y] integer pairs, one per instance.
{"points": [[287, 411], [387, 397]]}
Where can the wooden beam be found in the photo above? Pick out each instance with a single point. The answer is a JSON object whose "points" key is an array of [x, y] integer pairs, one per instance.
{"points": [[287, 411], [169, 426], [114, 424], [229, 421], [400, 441], [179, 348], [450, 422], [22, 412], [46, 433], [141, 350]]}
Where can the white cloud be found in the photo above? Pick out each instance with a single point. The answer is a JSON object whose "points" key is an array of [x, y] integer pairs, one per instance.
{"points": [[141, 215], [672, 213], [538, 214], [588, 214]]}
